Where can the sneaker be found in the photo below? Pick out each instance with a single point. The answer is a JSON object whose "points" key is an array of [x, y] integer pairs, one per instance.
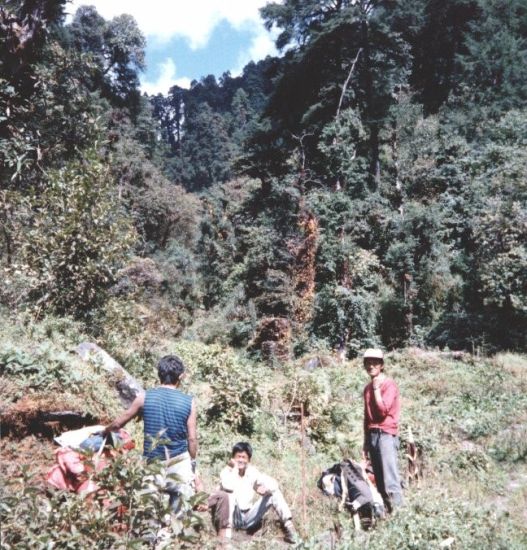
{"points": [[290, 534]]}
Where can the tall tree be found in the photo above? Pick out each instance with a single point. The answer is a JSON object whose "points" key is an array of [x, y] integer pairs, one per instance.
{"points": [[493, 67], [117, 47], [343, 54], [205, 154], [436, 32]]}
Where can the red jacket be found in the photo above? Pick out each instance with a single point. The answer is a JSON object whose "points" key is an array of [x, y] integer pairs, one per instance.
{"points": [[385, 418]]}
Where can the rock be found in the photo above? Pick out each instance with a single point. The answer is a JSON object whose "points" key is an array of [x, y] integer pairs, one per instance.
{"points": [[273, 339], [126, 385], [312, 364]]}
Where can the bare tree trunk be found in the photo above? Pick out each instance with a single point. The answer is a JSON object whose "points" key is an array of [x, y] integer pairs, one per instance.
{"points": [[344, 87], [395, 155], [375, 167]]}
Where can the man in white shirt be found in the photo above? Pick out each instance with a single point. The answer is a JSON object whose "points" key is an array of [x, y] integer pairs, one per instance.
{"points": [[245, 495]]}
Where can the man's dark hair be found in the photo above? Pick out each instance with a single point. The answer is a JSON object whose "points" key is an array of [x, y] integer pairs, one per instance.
{"points": [[242, 447], [170, 368]]}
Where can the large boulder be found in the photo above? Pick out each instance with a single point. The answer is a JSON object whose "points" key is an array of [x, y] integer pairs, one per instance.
{"points": [[125, 384]]}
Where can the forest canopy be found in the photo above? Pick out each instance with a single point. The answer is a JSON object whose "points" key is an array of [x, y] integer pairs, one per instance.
{"points": [[367, 186]]}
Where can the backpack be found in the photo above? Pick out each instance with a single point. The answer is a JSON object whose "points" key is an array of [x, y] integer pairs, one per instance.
{"points": [[347, 481]]}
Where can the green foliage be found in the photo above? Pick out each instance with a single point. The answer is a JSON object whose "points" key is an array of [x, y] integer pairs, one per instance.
{"points": [[206, 153], [430, 521], [41, 371], [43, 130], [179, 267], [234, 386], [332, 418], [493, 67], [510, 445], [340, 141], [231, 323], [352, 42], [467, 415], [235, 399], [347, 309], [340, 128], [79, 237], [131, 510], [36, 363], [420, 239], [436, 32], [218, 246], [117, 49]]}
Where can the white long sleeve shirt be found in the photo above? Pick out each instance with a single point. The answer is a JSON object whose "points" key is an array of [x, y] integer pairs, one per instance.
{"points": [[244, 487]]}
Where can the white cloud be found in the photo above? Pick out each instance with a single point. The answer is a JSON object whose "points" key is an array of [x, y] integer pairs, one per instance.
{"points": [[193, 20], [167, 79], [262, 45]]}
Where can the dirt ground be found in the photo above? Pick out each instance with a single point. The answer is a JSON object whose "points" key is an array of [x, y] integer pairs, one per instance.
{"points": [[32, 452]]}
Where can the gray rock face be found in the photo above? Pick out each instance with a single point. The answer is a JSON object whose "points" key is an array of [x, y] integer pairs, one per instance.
{"points": [[125, 384]]}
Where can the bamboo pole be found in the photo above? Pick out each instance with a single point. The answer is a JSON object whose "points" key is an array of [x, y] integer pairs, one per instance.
{"points": [[303, 463]]}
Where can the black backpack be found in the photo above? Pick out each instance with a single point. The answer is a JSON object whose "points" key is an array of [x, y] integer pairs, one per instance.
{"points": [[345, 481]]}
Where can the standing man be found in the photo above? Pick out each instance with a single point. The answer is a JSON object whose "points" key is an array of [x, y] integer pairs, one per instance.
{"points": [[382, 408], [170, 432]]}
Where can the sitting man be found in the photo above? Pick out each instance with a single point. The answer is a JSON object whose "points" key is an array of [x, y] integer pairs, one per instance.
{"points": [[233, 505]]}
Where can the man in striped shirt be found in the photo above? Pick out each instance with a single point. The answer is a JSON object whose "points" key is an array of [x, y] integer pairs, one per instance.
{"points": [[170, 431]]}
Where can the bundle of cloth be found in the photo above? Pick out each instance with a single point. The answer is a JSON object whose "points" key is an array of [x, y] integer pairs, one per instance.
{"points": [[83, 452]]}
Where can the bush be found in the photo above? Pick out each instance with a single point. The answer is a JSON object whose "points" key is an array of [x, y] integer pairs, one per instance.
{"points": [[39, 373], [78, 239], [431, 522], [234, 396], [130, 510], [333, 419]]}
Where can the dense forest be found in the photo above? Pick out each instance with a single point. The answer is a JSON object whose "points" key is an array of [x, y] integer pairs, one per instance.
{"points": [[367, 186], [364, 188]]}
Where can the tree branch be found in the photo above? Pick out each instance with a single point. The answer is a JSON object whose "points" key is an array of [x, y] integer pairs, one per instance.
{"points": [[347, 82]]}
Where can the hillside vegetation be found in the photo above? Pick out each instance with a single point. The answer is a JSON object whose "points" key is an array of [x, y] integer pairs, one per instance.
{"points": [[468, 416], [365, 187]]}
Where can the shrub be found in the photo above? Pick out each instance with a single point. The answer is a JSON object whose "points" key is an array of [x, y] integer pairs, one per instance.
{"points": [[333, 419], [234, 394], [78, 238], [130, 510], [40, 374], [431, 522]]}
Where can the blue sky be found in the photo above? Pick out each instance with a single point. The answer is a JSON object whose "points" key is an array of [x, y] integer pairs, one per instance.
{"points": [[223, 51], [188, 39]]}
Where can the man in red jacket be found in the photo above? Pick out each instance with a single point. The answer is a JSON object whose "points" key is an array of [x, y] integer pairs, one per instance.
{"points": [[382, 408]]}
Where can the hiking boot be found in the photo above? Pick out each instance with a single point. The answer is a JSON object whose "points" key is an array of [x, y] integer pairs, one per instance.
{"points": [[290, 534]]}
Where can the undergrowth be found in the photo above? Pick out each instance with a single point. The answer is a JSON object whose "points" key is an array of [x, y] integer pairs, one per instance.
{"points": [[130, 510], [468, 417]]}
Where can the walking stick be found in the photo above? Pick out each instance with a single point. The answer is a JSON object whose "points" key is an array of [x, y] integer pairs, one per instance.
{"points": [[99, 452], [303, 461]]}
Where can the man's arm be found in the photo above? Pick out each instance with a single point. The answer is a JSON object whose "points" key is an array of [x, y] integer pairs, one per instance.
{"points": [[192, 431], [134, 409], [384, 401], [365, 429], [227, 478], [264, 484]]}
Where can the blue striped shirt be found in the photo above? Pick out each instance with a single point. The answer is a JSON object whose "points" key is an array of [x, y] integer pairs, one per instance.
{"points": [[165, 415]]}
